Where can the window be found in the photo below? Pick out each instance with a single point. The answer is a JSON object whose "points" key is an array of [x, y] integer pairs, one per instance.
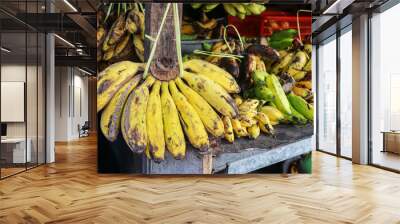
{"points": [[346, 75], [385, 89], [327, 95]]}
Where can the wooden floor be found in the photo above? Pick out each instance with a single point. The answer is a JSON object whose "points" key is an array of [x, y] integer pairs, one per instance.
{"points": [[71, 191]]}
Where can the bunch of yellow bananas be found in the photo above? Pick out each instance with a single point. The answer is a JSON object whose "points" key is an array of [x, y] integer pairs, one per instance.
{"points": [[124, 36], [153, 115], [240, 10], [297, 64], [249, 122]]}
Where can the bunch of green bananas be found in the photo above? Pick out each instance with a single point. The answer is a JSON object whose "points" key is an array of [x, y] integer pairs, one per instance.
{"points": [[154, 115], [240, 10], [124, 36]]}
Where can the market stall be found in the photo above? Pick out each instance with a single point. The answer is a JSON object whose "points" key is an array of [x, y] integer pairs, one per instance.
{"points": [[215, 95]]}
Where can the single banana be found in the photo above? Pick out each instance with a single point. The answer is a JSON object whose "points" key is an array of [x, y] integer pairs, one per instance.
{"points": [[254, 131], [191, 122], [122, 44], [239, 7], [154, 124], [111, 116], [273, 113], [264, 123], [237, 128], [133, 120], [283, 64], [230, 9], [229, 136], [213, 72], [111, 79], [139, 47], [208, 116], [109, 54], [173, 134], [238, 100], [299, 61], [213, 93]]}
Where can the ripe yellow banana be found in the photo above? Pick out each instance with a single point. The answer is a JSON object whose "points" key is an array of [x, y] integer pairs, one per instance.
{"points": [[139, 47], [208, 116], [111, 116], [238, 100], [191, 122], [213, 72], [133, 120], [264, 123], [247, 121], [248, 105], [229, 136], [213, 93], [154, 124], [254, 131], [273, 114], [237, 128], [173, 134], [112, 79], [122, 44]]}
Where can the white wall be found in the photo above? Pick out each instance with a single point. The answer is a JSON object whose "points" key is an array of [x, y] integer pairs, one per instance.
{"points": [[71, 102]]}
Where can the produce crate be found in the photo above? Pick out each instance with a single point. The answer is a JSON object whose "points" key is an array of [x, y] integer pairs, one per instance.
{"points": [[269, 21]]}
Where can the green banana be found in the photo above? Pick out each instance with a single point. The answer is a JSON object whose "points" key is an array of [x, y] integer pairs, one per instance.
{"points": [[280, 98], [283, 34], [230, 9], [301, 106]]}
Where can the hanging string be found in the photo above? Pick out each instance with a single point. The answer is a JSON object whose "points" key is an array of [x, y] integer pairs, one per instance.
{"points": [[220, 55], [298, 23], [108, 11], [155, 42], [238, 34], [178, 38]]}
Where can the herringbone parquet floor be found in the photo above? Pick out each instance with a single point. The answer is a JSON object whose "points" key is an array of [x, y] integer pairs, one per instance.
{"points": [[71, 191]]}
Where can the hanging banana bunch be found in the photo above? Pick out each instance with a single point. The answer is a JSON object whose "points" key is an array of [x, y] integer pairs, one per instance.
{"points": [[118, 38]]}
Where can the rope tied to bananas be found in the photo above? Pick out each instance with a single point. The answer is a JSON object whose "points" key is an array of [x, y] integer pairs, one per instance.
{"points": [[238, 34]]}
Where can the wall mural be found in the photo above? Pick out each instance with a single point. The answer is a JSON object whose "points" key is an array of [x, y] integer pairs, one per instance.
{"points": [[226, 89]]}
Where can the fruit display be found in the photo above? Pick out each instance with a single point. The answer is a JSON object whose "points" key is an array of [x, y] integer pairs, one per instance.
{"points": [[233, 88], [241, 10], [120, 33]]}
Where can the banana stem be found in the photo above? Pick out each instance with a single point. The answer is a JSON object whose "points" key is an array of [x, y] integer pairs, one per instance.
{"points": [[178, 38], [124, 6], [153, 48], [238, 34]]}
